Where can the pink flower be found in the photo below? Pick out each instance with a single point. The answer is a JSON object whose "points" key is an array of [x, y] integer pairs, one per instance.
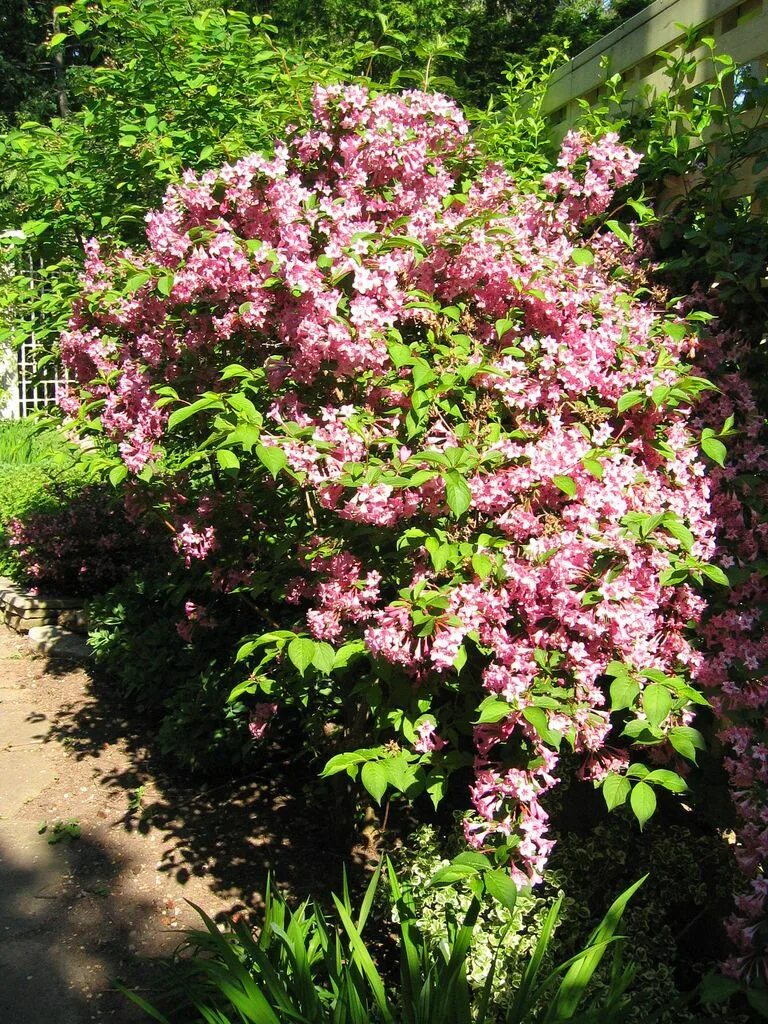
{"points": [[428, 740], [260, 717]]}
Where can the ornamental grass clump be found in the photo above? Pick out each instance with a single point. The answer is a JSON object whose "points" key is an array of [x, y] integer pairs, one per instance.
{"points": [[442, 433], [312, 966]]}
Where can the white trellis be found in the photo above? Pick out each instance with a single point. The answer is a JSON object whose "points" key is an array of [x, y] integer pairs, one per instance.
{"points": [[37, 385], [28, 381]]}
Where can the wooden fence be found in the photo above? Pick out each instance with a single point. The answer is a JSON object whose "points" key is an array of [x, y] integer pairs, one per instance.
{"points": [[738, 29]]}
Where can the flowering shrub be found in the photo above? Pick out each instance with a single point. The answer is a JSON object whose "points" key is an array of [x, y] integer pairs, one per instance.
{"points": [[83, 543], [735, 670], [443, 434], [693, 258]]}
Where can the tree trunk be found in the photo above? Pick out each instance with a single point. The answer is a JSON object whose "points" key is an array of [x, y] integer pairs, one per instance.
{"points": [[59, 75]]}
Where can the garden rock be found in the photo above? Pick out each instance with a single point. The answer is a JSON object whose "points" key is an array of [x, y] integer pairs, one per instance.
{"points": [[56, 642], [74, 619]]}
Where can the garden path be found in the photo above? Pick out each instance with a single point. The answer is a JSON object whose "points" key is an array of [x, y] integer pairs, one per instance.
{"points": [[81, 912]]}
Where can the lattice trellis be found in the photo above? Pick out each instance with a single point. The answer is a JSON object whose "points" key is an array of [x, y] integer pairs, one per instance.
{"points": [[38, 385], [32, 379]]}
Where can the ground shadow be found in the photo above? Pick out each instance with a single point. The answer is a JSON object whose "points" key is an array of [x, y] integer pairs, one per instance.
{"points": [[67, 933], [275, 820]]}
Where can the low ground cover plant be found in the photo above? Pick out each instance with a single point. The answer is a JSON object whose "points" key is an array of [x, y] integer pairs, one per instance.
{"points": [[148, 628], [38, 476]]}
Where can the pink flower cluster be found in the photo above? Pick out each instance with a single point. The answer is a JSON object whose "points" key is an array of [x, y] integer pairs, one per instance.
{"points": [[261, 716], [443, 364]]}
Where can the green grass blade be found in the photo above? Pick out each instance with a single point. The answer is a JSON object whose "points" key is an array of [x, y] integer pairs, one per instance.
{"points": [[252, 1005], [485, 993], [370, 893], [574, 984], [525, 997], [297, 932], [452, 997], [362, 959], [410, 942], [142, 1004]]}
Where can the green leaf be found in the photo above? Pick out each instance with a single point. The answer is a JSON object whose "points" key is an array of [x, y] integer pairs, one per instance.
{"points": [[676, 331], [537, 717], [340, 762], [583, 257], [501, 887], [301, 651], [244, 407], [566, 484], [400, 774], [680, 532], [136, 281], [482, 565], [117, 474], [403, 242], [478, 861], [492, 710], [615, 790], [436, 786], [180, 415], [56, 39], [246, 435], [716, 988], [621, 232], [323, 658], [715, 449], [758, 1000], [457, 492], [716, 574], [165, 284], [593, 466], [686, 741], [273, 459], [643, 802], [657, 703], [450, 875], [630, 399], [668, 780], [246, 686], [502, 326], [374, 778], [641, 732], [617, 668], [400, 354], [228, 461], [624, 691]]}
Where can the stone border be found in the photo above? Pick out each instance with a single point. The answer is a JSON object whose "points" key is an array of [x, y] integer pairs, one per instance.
{"points": [[53, 625]]}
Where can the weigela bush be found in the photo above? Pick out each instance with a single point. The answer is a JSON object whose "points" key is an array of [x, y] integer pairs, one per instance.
{"points": [[442, 433]]}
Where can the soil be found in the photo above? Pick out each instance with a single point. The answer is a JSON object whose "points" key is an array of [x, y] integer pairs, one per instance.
{"points": [[78, 914]]}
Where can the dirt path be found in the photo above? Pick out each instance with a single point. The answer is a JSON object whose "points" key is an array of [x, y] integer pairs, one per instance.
{"points": [[78, 913]]}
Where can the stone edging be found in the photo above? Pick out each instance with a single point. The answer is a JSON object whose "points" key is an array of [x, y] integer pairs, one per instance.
{"points": [[53, 625]]}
